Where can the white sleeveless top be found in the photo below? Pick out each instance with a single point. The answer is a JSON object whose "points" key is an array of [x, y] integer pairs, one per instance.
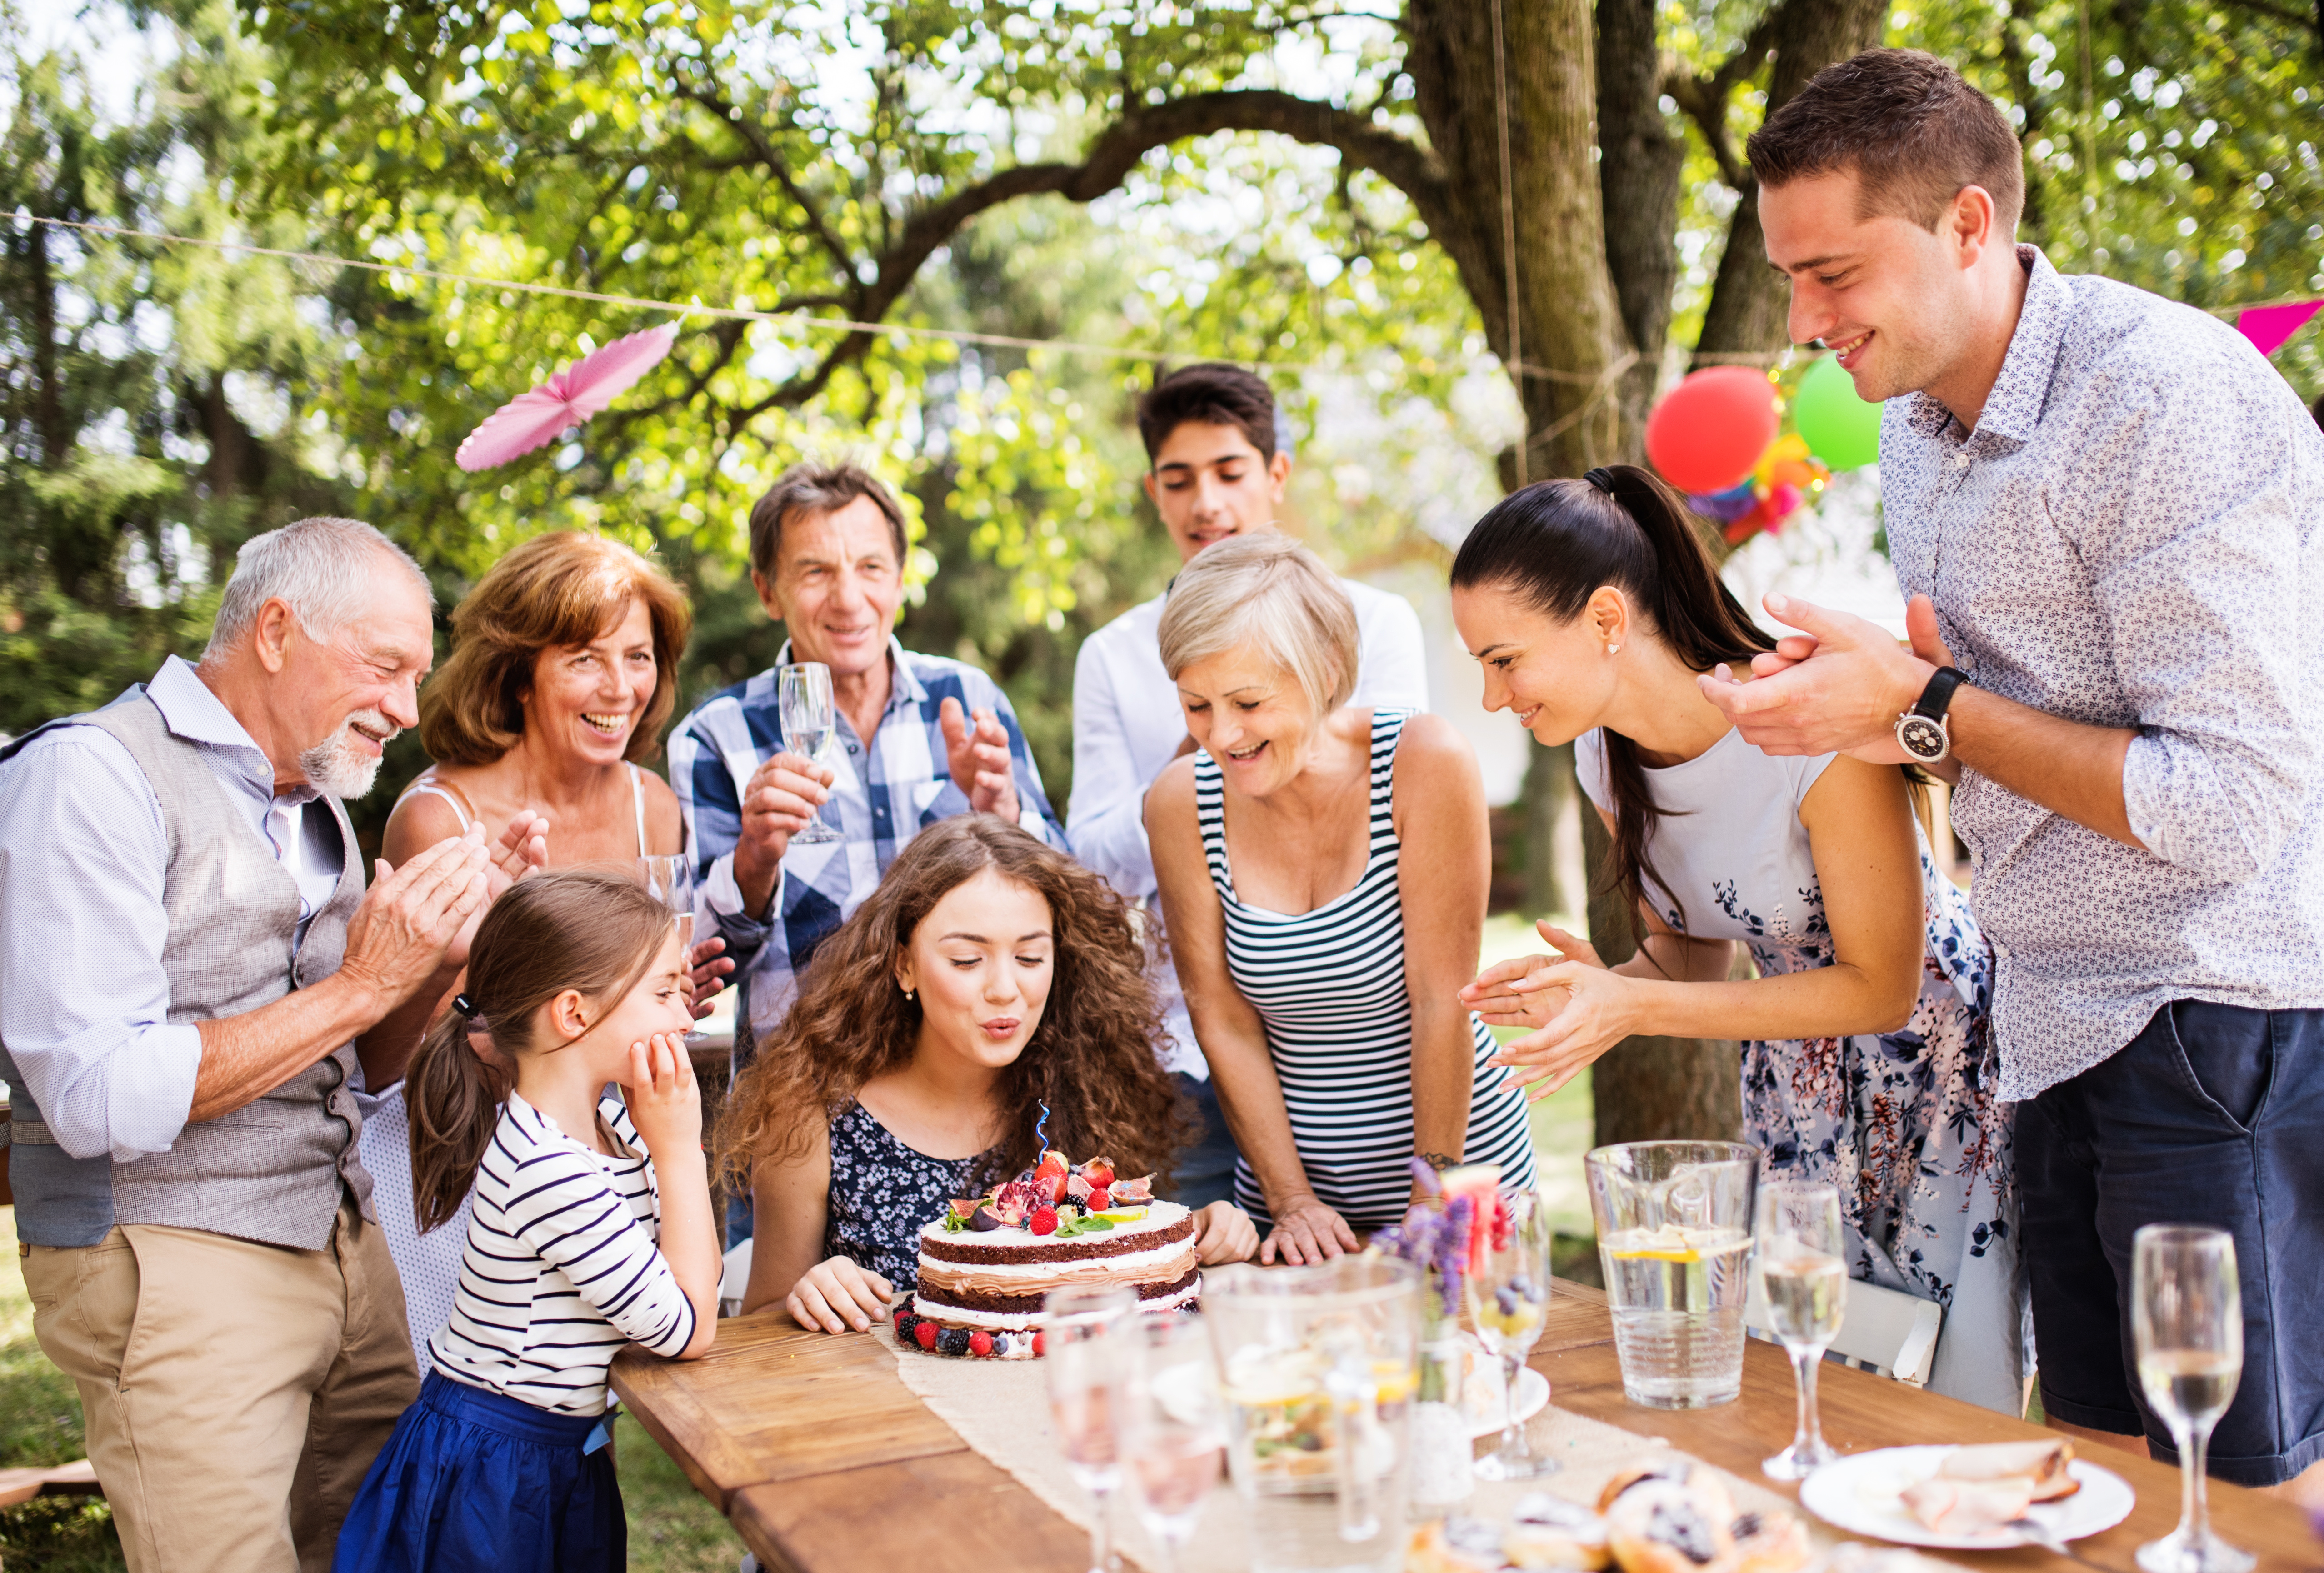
{"points": [[1730, 844], [460, 808]]}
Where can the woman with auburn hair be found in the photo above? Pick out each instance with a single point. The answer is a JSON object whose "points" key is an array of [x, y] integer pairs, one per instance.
{"points": [[989, 975], [563, 671]]}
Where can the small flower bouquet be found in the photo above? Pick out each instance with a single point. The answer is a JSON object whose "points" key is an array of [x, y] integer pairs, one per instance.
{"points": [[1446, 1234]]}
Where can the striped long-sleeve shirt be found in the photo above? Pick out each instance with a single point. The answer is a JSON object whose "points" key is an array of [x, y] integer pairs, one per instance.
{"points": [[561, 1269]]}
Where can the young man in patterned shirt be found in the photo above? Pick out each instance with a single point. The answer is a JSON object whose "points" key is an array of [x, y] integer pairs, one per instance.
{"points": [[2107, 513]]}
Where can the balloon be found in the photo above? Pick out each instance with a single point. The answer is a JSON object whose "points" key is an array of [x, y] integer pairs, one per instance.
{"points": [[1706, 436], [1791, 448], [1780, 505], [1726, 506], [1841, 429]]}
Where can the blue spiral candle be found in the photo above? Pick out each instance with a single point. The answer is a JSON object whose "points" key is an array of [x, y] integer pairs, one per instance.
{"points": [[1041, 1127]]}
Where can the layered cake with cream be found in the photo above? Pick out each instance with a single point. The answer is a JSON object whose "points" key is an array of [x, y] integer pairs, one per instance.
{"points": [[985, 1267]]}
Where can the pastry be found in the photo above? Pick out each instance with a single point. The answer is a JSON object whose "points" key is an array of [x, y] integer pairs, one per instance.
{"points": [[1660, 1526], [1969, 1508], [1455, 1545], [1770, 1542], [2045, 1463], [1674, 1471], [1549, 1531]]}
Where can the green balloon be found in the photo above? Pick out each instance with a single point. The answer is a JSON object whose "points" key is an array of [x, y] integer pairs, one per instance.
{"points": [[1838, 427]]}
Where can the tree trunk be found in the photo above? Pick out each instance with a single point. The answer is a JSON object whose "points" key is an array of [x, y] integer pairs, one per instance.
{"points": [[1567, 329], [1549, 789], [1654, 1089], [1638, 171]]}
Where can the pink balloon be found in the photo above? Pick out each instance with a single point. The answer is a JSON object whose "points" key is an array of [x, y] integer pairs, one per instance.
{"points": [[572, 396]]}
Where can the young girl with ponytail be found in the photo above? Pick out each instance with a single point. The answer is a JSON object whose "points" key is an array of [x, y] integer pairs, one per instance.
{"points": [[577, 978], [1866, 1062]]}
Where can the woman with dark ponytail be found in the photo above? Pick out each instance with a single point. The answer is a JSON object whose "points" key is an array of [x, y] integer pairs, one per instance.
{"points": [[1592, 607]]}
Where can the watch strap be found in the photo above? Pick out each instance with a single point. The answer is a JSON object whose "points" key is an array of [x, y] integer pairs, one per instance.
{"points": [[1938, 696]]}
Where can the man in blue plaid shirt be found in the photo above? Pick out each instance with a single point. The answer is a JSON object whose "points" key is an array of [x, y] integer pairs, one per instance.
{"points": [[919, 739]]}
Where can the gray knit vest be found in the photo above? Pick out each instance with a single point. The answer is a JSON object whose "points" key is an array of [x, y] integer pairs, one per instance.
{"points": [[272, 1171]]}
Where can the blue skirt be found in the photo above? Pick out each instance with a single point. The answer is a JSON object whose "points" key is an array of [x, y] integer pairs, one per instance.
{"points": [[472, 1480]]}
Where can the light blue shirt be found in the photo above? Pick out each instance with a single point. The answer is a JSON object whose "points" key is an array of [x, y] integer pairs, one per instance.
{"points": [[84, 1001]]}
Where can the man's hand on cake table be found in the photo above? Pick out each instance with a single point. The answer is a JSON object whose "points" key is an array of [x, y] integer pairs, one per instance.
{"points": [[1224, 1233], [838, 1294], [1307, 1232]]}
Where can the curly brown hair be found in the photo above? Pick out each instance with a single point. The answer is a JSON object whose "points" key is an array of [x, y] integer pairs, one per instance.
{"points": [[554, 591], [1091, 1059]]}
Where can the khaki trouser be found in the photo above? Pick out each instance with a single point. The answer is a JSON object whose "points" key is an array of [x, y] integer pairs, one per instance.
{"points": [[233, 1393]]}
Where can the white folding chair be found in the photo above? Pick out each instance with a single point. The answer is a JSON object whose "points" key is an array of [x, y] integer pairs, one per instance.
{"points": [[733, 1278], [1885, 1331]]}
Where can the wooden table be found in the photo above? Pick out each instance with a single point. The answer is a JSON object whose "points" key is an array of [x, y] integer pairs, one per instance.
{"points": [[825, 1462]]}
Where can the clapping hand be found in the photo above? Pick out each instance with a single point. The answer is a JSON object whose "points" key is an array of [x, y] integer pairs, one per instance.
{"points": [[710, 967], [410, 917], [1836, 689], [976, 752], [1578, 1007], [522, 849]]}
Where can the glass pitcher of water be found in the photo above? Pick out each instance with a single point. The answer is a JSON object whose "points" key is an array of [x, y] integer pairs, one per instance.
{"points": [[1674, 1237], [1319, 1366]]}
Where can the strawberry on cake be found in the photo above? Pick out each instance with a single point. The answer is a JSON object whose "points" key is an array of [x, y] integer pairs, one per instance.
{"points": [[986, 1265]]}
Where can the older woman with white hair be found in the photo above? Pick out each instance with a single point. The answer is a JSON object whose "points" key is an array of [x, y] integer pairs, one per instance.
{"points": [[1324, 987]]}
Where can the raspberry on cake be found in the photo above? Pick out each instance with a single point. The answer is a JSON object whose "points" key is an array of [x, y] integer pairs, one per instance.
{"points": [[988, 1263]]}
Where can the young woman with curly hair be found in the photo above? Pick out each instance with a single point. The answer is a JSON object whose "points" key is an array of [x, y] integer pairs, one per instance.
{"points": [[987, 975]]}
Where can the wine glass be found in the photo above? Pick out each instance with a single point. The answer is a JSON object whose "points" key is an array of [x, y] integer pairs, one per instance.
{"points": [[1175, 1435], [1805, 1275], [1088, 1341], [1509, 1302], [2187, 1325], [803, 697], [671, 879]]}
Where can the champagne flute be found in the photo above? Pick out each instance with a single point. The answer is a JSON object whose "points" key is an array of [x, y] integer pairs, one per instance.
{"points": [[1805, 1278], [1176, 1433], [802, 698], [2187, 1325], [1087, 1338], [671, 879], [1509, 1302]]}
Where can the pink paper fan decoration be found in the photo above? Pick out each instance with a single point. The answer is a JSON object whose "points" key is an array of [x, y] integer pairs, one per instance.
{"points": [[2267, 326], [572, 396]]}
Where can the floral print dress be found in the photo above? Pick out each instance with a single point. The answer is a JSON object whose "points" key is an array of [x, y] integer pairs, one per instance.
{"points": [[1905, 1124], [882, 1193]]}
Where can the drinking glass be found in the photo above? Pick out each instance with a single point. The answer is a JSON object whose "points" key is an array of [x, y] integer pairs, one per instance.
{"points": [[1509, 1302], [671, 881], [1089, 1341], [1803, 1272], [1674, 1237], [2187, 1325], [1175, 1430], [803, 696]]}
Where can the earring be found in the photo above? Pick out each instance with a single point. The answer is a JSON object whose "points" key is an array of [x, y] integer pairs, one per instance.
{"points": [[909, 997], [1611, 649]]}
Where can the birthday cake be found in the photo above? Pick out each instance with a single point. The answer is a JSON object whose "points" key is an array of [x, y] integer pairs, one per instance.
{"points": [[986, 1265]]}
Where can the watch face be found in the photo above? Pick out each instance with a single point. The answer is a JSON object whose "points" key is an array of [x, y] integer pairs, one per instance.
{"points": [[1922, 739]]}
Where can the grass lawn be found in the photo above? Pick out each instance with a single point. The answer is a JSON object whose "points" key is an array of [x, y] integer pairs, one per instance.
{"points": [[672, 1530]]}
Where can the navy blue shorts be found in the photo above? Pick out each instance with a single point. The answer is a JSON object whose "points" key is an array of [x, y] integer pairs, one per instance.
{"points": [[2213, 1115], [472, 1482]]}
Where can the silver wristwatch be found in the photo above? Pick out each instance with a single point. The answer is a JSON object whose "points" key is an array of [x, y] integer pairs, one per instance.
{"points": [[1922, 730]]}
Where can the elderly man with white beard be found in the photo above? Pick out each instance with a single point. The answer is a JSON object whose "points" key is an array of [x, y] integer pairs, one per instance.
{"points": [[187, 956]]}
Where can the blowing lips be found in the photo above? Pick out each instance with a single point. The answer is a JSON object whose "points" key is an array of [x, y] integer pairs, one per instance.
{"points": [[1001, 1028]]}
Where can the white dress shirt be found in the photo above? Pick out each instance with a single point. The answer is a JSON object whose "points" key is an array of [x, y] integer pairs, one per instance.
{"points": [[83, 1001], [1128, 725]]}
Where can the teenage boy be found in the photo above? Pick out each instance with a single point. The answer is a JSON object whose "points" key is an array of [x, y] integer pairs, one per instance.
{"points": [[1215, 471], [2107, 511]]}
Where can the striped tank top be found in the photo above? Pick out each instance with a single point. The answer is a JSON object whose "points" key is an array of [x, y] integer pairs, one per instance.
{"points": [[1328, 985]]}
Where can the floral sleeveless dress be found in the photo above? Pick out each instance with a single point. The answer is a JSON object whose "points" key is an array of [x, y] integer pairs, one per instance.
{"points": [[881, 1193], [1904, 1124]]}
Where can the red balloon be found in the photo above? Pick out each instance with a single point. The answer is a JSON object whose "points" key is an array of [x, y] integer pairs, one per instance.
{"points": [[1712, 428]]}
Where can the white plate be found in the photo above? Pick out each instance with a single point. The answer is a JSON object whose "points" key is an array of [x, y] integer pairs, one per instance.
{"points": [[1532, 1397], [1860, 1493]]}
